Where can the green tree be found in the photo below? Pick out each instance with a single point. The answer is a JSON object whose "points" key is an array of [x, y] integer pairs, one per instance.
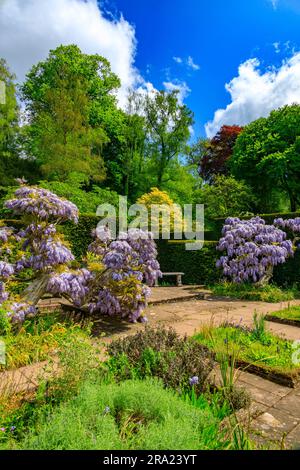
{"points": [[168, 124], [69, 97], [226, 197], [11, 166], [267, 156]]}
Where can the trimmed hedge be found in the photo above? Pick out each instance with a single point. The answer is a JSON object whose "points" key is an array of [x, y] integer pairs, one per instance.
{"points": [[199, 266], [288, 274], [80, 235]]}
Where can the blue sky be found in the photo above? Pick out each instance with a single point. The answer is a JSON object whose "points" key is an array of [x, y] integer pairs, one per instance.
{"points": [[198, 46], [219, 35]]}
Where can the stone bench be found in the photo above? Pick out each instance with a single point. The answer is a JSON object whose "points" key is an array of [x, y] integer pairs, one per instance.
{"points": [[178, 278]]}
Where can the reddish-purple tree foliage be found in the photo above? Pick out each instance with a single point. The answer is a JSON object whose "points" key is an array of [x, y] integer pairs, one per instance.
{"points": [[218, 150]]}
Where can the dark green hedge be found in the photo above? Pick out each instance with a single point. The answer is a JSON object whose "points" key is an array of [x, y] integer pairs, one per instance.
{"points": [[288, 274], [199, 266], [80, 235]]}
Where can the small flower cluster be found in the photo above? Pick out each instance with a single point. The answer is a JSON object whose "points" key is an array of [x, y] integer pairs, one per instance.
{"points": [[3, 294], [130, 260], [252, 249], [11, 429], [74, 284], [6, 269], [18, 311], [42, 204], [293, 225]]}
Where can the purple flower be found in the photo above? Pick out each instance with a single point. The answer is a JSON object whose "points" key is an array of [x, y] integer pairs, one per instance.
{"points": [[106, 410], [251, 247], [194, 380]]}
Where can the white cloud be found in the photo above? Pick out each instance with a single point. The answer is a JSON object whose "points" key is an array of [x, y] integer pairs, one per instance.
{"points": [[178, 60], [255, 93], [29, 28], [183, 89], [190, 62], [276, 46]]}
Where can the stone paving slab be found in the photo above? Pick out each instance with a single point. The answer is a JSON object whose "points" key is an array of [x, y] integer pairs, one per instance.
{"points": [[247, 379]]}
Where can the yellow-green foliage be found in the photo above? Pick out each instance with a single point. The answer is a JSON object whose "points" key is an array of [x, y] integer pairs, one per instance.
{"points": [[158, 197]]}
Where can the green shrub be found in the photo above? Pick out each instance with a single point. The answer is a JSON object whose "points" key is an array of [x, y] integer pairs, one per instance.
{"points": [[37, 339], [86, 201], [131, 415], [161, 353]]}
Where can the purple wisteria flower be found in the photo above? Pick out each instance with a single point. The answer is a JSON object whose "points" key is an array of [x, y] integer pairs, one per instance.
{"points": [[121, 269], [252, 248], [18, 311], [42, 204]]}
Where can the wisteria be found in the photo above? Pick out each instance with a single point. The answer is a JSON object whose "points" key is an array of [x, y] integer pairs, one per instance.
{"points": [[252, 249], [38, 247], [128, 262], [292, 225], [42, 249], [113, 279], [73, 284], [42, 204], [18, 311]]}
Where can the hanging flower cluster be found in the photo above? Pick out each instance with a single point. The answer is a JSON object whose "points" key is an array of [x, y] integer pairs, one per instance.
{"points": [[42, 204], [117, 274], [252, 249], [6, 268], [74, 284], [18, 311], [127, 262], [42, 248], [292, 225]]}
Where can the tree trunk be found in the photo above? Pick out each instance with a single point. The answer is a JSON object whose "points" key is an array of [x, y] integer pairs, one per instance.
{"points": [[35, 291], [266, 277], [293, 203]]}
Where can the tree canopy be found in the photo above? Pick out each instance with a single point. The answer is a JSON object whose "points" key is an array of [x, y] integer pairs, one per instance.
{"points": [[267, 155]]}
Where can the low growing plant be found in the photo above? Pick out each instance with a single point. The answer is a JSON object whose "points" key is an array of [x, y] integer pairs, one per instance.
{"points": [[268, 293], [161, 353], [129, 415]]}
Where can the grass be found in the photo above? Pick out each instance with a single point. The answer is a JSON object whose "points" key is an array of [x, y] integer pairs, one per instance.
{"points": [[253, 346], [130, 415], [269, 293], [37, 339], [290, 313]]}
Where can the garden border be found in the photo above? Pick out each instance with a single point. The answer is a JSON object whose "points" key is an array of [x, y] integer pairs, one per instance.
{"points": [[283, 321]]}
